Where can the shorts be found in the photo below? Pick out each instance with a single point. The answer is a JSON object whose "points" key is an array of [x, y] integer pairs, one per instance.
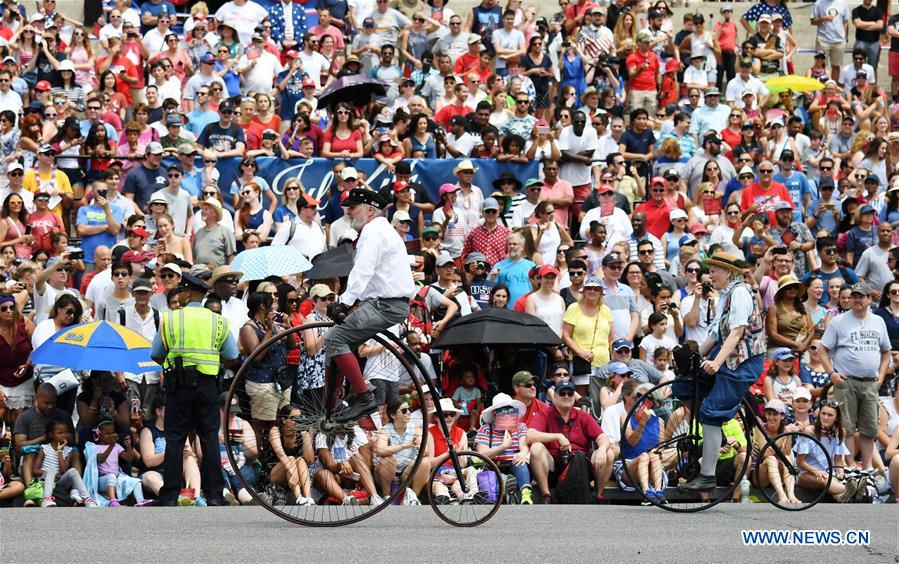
{"points": [[893, 63], [265, 401], [248, 474], [368, 319], [620, 475], [859, 404], [76, 176], [384, 391], [834, 52], [645, 99], [21, 396], [723, 401]]}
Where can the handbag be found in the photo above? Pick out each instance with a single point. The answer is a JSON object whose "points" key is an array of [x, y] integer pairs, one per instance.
{"points": [[283, 377], [579, 366]]}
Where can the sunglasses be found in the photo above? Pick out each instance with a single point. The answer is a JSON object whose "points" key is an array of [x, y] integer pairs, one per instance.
{"points": [[830, 403], [894, 292], [528, 385], [210, 194], [561, 373], [17, 173], [7, 308], [404, 410], [430, 237], [168, 275], [174, 175], [576, 273], [646, 252], [232, 281], [69, 311], [328, 298], [120, 274], [565, 393], [693, 270], [766, 171], [292, 189]]}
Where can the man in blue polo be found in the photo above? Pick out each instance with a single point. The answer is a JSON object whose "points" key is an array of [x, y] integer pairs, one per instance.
{"points": [[619, 297]]}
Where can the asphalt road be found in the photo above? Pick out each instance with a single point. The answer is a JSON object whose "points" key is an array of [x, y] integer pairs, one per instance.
{"points": [[414, 534]]}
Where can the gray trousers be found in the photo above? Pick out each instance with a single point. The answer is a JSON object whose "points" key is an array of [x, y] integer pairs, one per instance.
{"points": [[371, 317], [70, 479], [872, 50]]}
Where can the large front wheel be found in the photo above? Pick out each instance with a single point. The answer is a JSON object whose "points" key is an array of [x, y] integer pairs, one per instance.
{"points": [[778, 475], [307, 469]]}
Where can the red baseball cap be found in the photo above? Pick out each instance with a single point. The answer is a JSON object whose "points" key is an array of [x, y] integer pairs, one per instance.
{"points": [[310, 201], [292, 54], [42, 85], [658, 180], [548, 269], [140, 232], [400, 185], [132, 256], [308, 82], [603, 188], [344, 196]]}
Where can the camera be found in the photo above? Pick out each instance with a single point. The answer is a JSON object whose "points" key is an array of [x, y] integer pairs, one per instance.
{"points": [[763, 217], [706, 288], [280, 317], [102, 193], [76, 255], [672, 305]]}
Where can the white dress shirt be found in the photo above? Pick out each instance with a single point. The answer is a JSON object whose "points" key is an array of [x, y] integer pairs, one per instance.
{"points": [[381, 268], [308, 239]]}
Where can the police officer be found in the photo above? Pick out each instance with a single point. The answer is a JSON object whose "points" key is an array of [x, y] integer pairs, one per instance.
{"points": [[190, 346]]}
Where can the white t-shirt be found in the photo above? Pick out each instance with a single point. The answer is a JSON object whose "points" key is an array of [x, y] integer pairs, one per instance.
{"points": [[650, 343], [308, 239], [513, 40], [701, 332], [43, 303], [178, 206], [244, 18], [577, 174], [383, 365], [99, 286], [314, 65], [260, 77]]}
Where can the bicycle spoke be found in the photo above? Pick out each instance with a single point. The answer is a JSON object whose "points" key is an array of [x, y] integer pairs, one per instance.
{"points": [[781, 480]]}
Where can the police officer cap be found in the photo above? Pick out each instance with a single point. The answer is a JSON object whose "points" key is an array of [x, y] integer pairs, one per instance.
{"points": [[364, 196], [193, 283]]}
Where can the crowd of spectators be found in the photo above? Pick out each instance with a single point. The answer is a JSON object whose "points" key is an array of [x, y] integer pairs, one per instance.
{"points": [[656, 143]]}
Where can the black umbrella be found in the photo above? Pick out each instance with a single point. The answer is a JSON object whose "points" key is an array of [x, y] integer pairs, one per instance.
{"points": [[354, 89], [333, 263], [497, 327]]}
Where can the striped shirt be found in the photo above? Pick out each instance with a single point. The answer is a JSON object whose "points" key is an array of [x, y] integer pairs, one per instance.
{"points": [[489, 436]]}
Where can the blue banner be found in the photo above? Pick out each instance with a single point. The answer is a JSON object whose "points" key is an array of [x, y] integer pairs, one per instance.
{"points": [[316, 176]]}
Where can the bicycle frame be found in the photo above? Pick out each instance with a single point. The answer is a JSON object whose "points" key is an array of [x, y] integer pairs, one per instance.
{"points": [[386, 339]]}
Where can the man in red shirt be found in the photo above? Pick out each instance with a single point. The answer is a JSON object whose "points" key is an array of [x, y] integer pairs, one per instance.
{"points": [[644, 69], [490, 238], [657, 211], [762, 195], [469, 61], [457, 108], [524, 389], [252, 130], [562, 428], [556, 191]]}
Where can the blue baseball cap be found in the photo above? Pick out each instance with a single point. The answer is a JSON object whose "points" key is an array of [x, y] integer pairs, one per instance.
{"points": [[783, 353], [564, 385], [619, 344], [619, 368]]}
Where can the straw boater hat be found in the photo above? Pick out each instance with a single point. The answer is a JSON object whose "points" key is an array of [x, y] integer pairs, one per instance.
{"points": [[790, 281], [727, 261]]}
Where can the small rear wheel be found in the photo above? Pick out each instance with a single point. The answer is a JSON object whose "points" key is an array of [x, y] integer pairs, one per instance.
{"points": [[470, 499], [777, 472], [673, 458]]}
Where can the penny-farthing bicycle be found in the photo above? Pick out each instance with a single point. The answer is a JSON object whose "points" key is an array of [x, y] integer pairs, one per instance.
{"points": [[295, 453]]}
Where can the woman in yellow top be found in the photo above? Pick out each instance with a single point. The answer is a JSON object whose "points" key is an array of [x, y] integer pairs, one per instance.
{"points": [[588, 334]]}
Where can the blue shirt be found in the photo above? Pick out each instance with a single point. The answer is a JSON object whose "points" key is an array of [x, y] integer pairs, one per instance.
{"points": [[229, 348], [94, 215], [847, 274], [163, 7], [142, 182], [110, 130], [514, 275], [198, 120], [798, 187], [193, 182], [623, 304]]}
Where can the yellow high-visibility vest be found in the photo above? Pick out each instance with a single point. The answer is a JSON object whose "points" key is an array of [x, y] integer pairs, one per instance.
{"points": [[196, 335]]}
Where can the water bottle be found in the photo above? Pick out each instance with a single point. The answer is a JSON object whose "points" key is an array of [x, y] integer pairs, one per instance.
{"points": [[744, 490]]}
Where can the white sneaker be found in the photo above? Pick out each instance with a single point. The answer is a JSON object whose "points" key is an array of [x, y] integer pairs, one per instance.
{"points": [[76, 497], [301, 501], [350, 500], [310, 502], [410, 498], [375, 500]]}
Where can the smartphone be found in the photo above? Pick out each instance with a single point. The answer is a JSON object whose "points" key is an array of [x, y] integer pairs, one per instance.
{"points": [[102, 193], [543, 130]]}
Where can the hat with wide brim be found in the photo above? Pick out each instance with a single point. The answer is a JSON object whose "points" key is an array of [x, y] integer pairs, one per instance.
{"points": [[506, 177], [790, 281], [501, 400], [464, 165], [727, 261], [223, 271]]}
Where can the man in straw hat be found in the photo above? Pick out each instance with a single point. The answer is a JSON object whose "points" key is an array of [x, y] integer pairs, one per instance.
{"points": [[376, 297], [734, 355]]}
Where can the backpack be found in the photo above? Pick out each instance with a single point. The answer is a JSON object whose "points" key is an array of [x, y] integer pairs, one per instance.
{"points": [[574, 481], [420, 319], [488, 483], [155, 317]]}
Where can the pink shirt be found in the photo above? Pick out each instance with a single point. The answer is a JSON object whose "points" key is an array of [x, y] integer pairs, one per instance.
{"points": [[561, 189], [110, 466]]}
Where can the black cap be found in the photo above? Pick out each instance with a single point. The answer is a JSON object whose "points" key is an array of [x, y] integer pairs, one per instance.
{"points": [[193, 283], [364, 196], [826, 182], [403, 167], [787, 154], [458, 120], [117, 252]]}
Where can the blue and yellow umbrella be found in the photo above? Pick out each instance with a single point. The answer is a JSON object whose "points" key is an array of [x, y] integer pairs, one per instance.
{"points": [[98, 345]]}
